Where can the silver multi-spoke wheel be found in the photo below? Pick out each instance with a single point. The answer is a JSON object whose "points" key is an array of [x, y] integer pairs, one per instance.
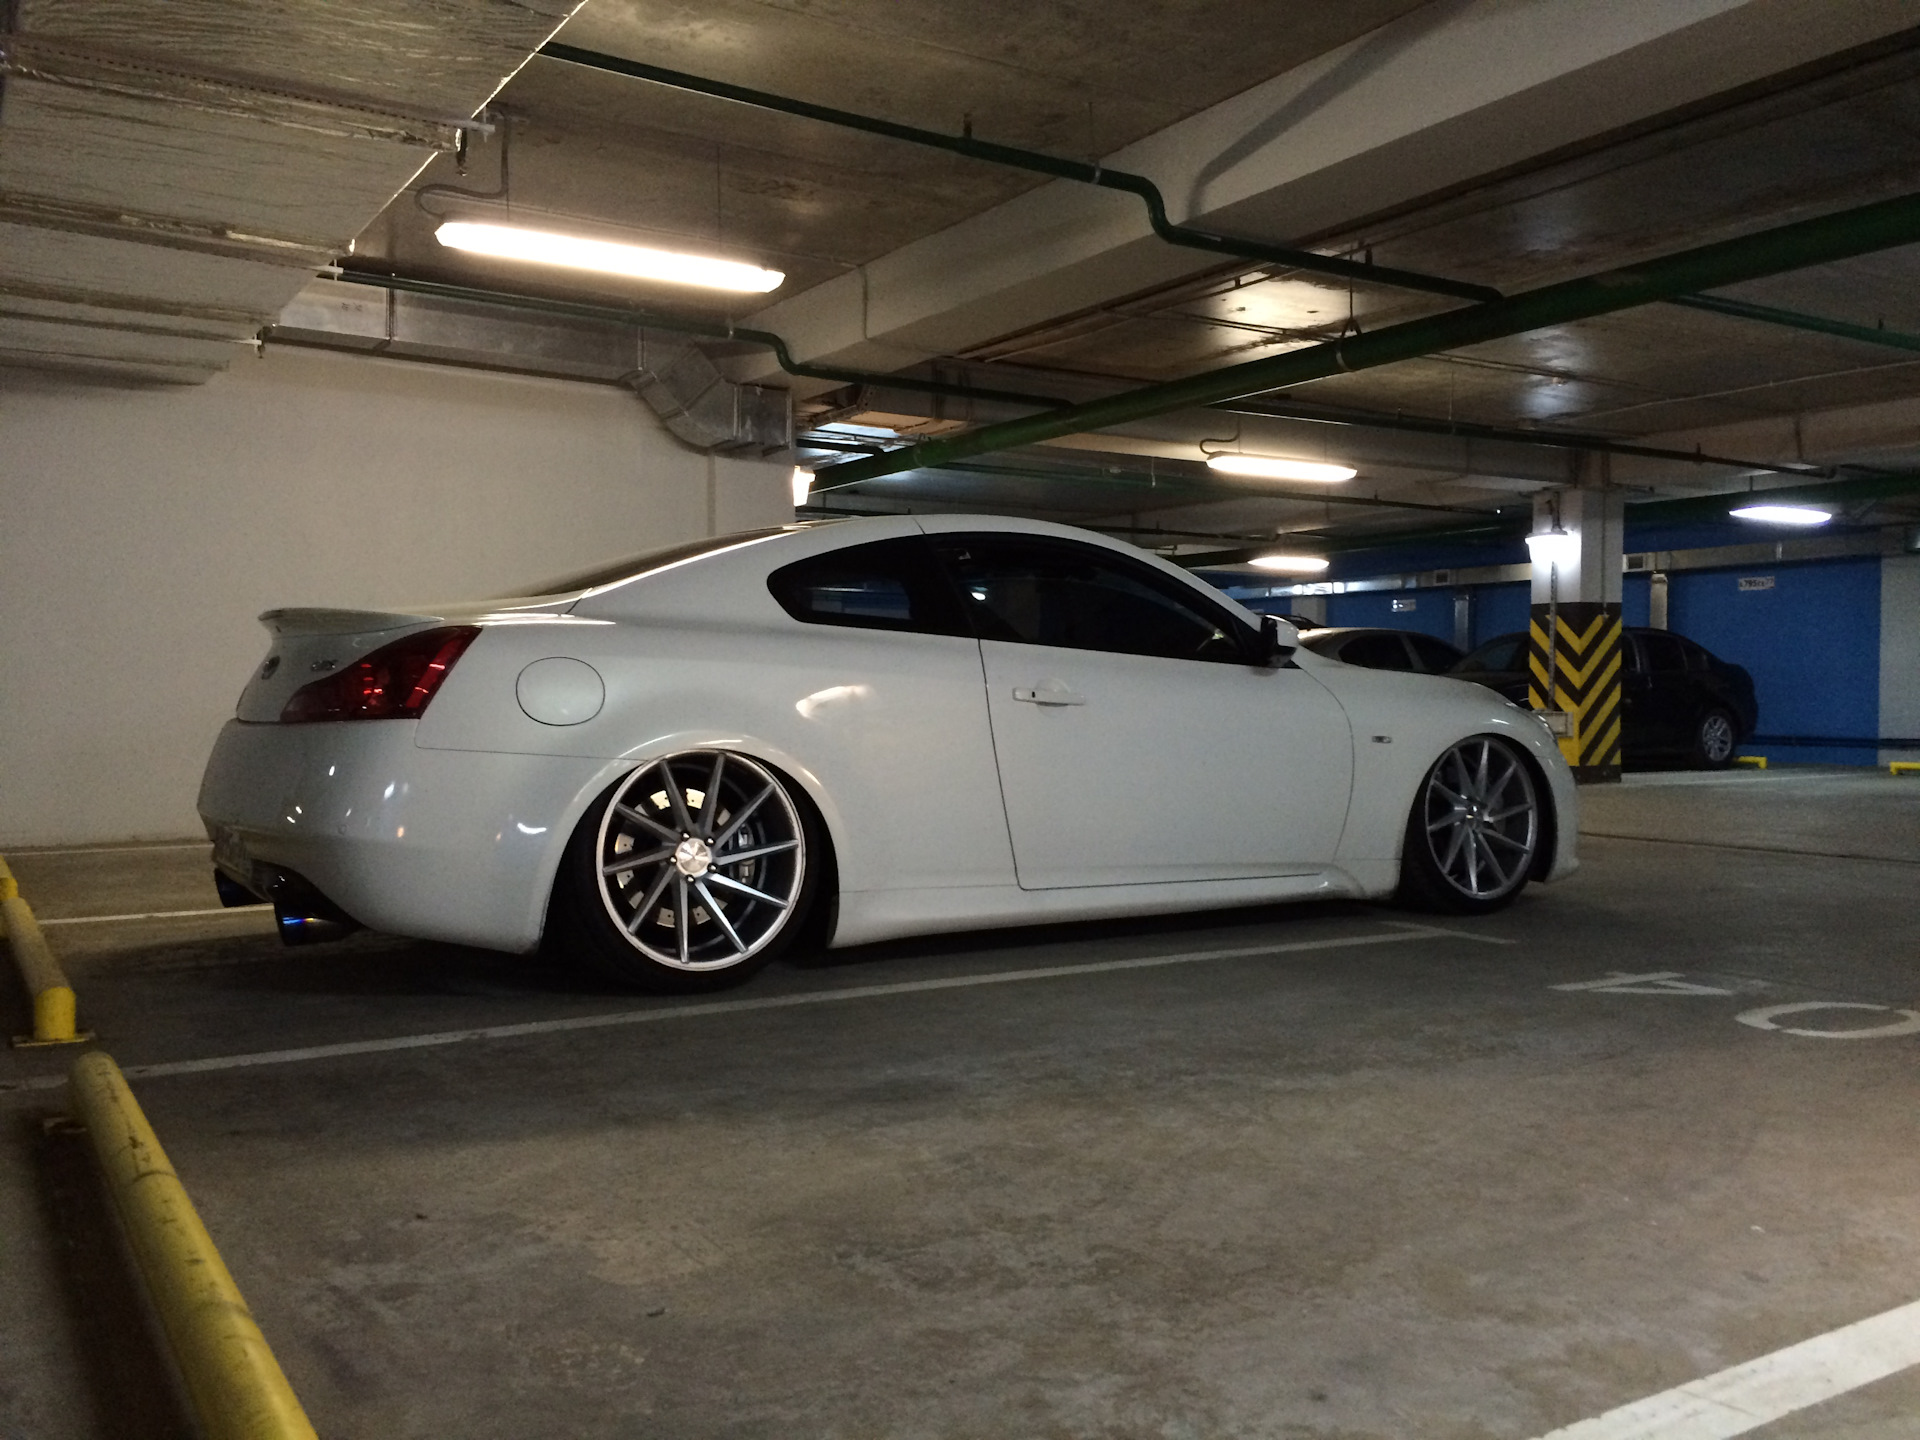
{"points": [[701, 858], [1716, 738], [1479, 818]]}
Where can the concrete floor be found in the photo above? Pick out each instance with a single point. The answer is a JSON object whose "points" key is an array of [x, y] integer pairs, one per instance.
{"points": [[1367, 1181]]}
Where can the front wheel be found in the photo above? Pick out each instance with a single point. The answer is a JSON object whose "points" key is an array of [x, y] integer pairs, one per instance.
{"points": [[688, 875], [1715, 740], [1474, 832]]}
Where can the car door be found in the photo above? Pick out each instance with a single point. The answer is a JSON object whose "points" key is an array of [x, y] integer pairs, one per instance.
{"points": [[1136, 742], [887, 709], [1667, 698]]}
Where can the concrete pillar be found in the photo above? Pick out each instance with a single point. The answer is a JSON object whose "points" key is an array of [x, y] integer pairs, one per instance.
{"points": [[1576, 649]]}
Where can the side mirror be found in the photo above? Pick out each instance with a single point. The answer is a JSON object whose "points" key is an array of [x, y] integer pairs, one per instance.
{"points": [[1278, 641]]}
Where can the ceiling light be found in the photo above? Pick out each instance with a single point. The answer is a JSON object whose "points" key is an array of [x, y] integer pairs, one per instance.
{"points": [[1299, 564], [802, 485], [574, 252], [1783, 514], [1553, 547], [1274, 467]]}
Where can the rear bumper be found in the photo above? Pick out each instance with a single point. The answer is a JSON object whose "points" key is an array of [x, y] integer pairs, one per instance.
{"points": [[453, 845]]}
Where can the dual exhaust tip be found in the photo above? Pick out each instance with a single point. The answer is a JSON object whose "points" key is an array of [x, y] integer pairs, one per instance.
{"points": [[302, 915]]}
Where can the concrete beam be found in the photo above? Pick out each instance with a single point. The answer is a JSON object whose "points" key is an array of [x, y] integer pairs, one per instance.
{"points": [[1451, 92]]}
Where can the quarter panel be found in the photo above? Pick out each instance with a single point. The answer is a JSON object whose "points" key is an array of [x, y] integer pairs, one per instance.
{"points": [[888, 732]]}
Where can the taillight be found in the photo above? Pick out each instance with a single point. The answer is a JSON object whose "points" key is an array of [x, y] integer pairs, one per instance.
{"points": [[395, 682]]}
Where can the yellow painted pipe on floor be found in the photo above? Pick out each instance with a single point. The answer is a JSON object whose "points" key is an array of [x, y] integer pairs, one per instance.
{"points": [[1758, 761], [53, 1007], [1901, 767], [237, 1388], [9, 887]]}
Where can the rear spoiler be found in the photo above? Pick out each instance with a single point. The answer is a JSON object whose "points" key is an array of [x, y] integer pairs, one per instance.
{"points": [[304, 621]]}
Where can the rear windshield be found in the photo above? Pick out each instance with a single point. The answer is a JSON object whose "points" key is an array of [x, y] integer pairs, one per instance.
{"points": [[612, 570]]}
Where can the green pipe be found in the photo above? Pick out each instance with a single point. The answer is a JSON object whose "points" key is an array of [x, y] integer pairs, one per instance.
{"points": [[1795, 320], [1039, 164], [682, 325], [1468, 430], [1860, 231], [1891, 485]]}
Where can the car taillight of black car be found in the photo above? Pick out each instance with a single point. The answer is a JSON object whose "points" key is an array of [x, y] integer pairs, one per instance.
{"points": [[394, 682]]}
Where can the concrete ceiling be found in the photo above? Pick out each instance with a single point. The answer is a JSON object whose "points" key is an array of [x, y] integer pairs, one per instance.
{"points": [[170, 175], [150, 226]]}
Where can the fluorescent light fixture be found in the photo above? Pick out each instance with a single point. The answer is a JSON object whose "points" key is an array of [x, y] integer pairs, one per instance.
{"points": [[607, 257], [1783, 514], [1275, 467], [802, 485], [1297, 564], [1553, 547]]}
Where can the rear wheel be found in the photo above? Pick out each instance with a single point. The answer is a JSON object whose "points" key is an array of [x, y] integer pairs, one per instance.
{"points": [[690, 874], [1475, 830], [1715, 739]]}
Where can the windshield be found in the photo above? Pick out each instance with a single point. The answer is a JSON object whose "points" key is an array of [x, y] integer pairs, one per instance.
{"points": [[609, 571]]}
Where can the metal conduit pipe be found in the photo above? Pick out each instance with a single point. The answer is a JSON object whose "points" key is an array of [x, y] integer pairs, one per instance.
{"points": [[1859, 231], [683, 325], [1139, 185], [1040, 164], [1796, 320]]}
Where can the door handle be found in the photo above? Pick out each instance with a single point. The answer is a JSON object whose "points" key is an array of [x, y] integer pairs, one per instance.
{"points": [[1048, 695]]}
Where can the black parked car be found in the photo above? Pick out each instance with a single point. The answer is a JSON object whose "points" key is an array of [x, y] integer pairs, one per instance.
{"points": [[1680, 701], [1382, 649]]}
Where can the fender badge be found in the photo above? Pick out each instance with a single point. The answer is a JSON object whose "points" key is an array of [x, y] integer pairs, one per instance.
{"points": [[273, 664]]}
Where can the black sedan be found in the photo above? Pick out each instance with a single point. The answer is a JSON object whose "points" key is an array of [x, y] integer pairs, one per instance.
{"points": [[1680, 701], [1377, 648]]}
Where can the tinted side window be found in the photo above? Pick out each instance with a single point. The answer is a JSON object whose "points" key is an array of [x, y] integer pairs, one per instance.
{"points": [[1495, 656], [884, 585], [1436, 656], [1051, 592], [1664, 654], [1377, 652]]}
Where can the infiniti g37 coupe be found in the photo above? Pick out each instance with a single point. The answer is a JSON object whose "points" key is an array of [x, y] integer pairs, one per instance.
{"points": [[837, 733]]}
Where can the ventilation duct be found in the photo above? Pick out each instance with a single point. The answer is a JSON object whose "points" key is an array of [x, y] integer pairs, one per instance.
{"points": [[676, 378], [704, 408]]}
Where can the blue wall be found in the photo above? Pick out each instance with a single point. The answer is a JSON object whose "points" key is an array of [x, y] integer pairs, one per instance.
{"points": [[1432, 613], [1812, 643], [1501, 609]]}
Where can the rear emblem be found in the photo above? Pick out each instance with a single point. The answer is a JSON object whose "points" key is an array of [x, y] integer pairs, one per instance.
{"points": [[323, 665], [273, 664]]}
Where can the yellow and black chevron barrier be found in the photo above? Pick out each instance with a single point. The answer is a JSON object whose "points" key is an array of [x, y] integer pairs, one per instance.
{"points": [[1579, 674]]}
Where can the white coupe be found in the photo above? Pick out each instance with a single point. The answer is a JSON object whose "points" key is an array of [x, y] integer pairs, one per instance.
{"points": [[837, 733]]}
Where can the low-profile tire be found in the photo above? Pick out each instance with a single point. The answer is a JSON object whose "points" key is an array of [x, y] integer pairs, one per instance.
{"points": [[1475, 831], [1715, 738], [689, 874]]}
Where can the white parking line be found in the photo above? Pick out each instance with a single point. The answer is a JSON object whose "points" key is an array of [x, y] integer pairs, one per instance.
{"points": [[1759, 1392], [1401, 932], [254, 910]]}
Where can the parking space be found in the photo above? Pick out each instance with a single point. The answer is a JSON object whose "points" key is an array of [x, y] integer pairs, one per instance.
{"points": [[1331, 1170]]}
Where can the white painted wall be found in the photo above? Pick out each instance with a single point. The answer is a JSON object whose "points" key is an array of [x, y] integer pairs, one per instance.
{"points": [[1900, 652], [141, 531]]}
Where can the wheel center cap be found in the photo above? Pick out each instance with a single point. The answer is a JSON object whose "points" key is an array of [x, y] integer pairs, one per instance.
{"points": [[693, 856]]}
